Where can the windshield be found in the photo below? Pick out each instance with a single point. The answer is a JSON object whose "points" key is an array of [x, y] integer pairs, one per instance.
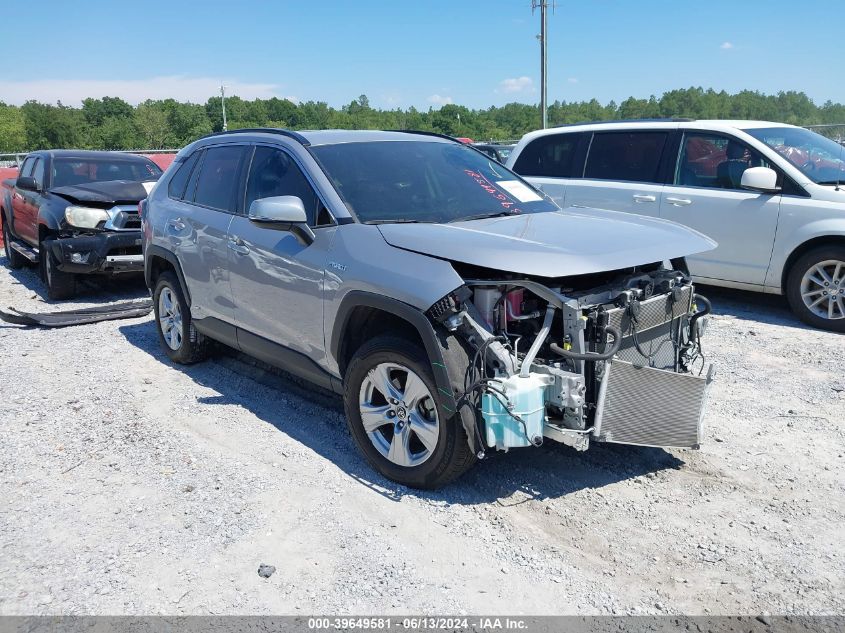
{"points": [[417, 181], [818, 158], [79, 171]]}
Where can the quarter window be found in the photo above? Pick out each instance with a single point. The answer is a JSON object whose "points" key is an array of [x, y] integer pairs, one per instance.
{"points": [[626, 156], [217, 184], [714, 161], [552, 156], [274, 173], [176, 187]]}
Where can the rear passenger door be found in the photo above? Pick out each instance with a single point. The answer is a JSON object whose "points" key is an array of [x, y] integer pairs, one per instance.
{"points": [[205, 196], [277, 281], [705, 194], [624, 171], [551, 161]]}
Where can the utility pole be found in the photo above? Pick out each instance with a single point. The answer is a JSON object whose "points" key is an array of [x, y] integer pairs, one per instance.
{"points": [[543, 5], [223, 103]]}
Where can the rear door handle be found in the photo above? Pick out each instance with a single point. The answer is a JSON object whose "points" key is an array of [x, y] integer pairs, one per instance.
{"points": [[176, 224], [679, 202], [238, 245], [641, 197]]}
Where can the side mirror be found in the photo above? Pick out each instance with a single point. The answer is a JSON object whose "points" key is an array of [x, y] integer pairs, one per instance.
{"points": [[27, 183], [760, 179], [282, 213]]}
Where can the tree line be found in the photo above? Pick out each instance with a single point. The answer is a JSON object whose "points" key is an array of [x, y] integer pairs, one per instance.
{"points": [[112, 123]]}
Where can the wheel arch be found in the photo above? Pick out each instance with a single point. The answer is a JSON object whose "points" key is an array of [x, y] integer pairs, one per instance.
{"points": [[156, 261], [806, 247]]}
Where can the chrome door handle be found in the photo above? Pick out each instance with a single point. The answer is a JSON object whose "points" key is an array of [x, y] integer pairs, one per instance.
{"points": [[176, 224], [679, 202], [237, 245], [641, 197]]}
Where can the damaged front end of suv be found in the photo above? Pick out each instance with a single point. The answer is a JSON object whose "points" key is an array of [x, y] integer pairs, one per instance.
{"points": [[609, 357]]}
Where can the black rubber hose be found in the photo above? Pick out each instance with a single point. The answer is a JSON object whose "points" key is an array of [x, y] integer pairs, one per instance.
{"points": [[606, 355], [707, 309]]}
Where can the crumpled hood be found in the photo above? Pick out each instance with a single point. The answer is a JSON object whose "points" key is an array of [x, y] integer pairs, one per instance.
{"points": [[553, 244], [107, 192]]}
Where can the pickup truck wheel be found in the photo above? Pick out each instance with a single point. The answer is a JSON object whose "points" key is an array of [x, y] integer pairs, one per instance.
{"points": [[397, 421], [815, 288], [15, 259], [178, 337], [60, 285]]}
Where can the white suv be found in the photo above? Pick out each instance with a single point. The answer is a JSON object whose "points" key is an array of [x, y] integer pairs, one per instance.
{"points": [[772, 196]]}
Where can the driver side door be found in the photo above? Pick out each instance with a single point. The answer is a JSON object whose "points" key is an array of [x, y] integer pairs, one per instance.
{"points": [[705, 195]]}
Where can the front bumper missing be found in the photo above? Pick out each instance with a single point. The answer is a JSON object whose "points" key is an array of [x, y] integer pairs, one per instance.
{"points": [[101, 253], [651, 407]]}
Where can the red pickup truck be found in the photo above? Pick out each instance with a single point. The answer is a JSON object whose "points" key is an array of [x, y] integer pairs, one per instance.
{"points": [[75, 212]]}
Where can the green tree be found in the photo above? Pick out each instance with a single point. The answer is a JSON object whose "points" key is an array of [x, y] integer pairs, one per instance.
{"points": [[12, 129]]}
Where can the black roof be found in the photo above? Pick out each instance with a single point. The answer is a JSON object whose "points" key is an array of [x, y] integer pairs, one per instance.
{"points": [[87, 153]]}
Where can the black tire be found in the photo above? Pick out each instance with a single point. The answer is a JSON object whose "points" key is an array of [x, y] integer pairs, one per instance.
{"points": [[802, 265], [14, 258], [192, 346], [60, 285], [451, 456]]}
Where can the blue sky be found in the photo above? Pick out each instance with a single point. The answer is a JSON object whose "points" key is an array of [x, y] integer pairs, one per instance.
{"points": [[422, 53]]}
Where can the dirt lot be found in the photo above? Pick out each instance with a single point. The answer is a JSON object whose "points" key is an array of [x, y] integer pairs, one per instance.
{"points": [[132, 486]]}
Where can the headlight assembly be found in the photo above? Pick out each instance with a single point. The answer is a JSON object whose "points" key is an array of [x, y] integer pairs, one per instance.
{"points": [[86, 217]]}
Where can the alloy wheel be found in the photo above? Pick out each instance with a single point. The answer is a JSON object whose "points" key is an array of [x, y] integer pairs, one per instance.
{"points": [[823, 289], [399, 414], [170, 318]]}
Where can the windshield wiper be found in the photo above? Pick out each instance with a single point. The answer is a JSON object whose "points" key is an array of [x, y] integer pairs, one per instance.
{"points": [[841, 181], [483, 216]]}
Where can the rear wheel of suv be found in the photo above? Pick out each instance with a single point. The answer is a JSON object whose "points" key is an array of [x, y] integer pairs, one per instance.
{"points": [[396, 420], [178, 337], [60, 285], [815, 288], [16, 260]]}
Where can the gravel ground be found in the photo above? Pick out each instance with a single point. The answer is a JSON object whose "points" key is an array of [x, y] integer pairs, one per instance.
{"points": [[132, 486]]}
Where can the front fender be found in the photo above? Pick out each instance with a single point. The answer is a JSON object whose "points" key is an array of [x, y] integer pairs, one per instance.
{"points": [[51, 214], [792, 242]]}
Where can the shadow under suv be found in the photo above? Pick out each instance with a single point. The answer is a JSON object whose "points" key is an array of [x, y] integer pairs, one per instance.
{"points": [[456, 308]]}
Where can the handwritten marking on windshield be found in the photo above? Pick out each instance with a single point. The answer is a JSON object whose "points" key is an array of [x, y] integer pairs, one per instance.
{"points": [[485, 184]]}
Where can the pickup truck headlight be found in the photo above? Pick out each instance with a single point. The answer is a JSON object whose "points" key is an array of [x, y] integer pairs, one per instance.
{"points": [[85, 217]]}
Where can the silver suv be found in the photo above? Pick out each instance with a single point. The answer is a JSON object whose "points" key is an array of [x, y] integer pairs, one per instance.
{"points": [[455, 307]]}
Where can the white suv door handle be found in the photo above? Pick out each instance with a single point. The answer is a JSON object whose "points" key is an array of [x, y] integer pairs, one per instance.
{"points": [[679, 202], [641, 197], [238, 245]]}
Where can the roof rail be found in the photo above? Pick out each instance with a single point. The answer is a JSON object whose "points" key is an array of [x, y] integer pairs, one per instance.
{"points": [[427, 133], [654, 120], [265, 130]]}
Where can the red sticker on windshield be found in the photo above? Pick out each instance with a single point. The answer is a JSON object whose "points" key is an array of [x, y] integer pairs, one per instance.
{"points": [[505, 199]]}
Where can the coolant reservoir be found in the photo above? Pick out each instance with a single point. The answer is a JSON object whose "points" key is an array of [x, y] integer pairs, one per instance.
{"points": [[524, 397]]}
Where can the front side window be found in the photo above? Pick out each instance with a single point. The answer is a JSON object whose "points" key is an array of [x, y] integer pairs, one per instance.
{"points": [[79, 171], [217, 183], [626, 156], [819, 159], [424, 181], [274, 173], [26, 168], [714, 161], [38, 172], [551, 156]]}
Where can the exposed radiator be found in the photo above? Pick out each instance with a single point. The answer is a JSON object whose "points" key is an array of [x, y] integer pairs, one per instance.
{"points": [[651, 407]]}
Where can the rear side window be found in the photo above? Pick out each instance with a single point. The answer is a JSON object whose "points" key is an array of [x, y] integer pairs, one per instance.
{"points": [[218, 180], [552, 156], [273, 173], [176, 187], [626, 156]]}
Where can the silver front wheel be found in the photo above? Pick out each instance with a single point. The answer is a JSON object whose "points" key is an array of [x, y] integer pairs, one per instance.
{"points": [[823, 289], [170, 318], [399, 414]]}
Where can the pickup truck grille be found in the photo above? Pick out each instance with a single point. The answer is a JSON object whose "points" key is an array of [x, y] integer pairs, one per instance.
{"points": [[124, 218]]}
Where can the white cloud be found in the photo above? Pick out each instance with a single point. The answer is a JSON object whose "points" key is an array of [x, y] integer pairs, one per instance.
{"points": [[179, 87], [439, 101], [516, 84], [726, 46], [573, 80]]}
